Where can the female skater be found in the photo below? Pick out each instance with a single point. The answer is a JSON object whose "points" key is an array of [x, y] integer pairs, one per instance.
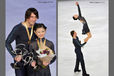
{"points": [[40, 31], [85, 29]]}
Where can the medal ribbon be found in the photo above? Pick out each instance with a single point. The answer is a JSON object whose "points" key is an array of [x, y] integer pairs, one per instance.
{"points": [[29, 35], [41, 44]]}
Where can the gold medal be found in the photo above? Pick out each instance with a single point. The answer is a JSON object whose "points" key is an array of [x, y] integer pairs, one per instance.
{"points": [[41, 44], [29, 35], [29, 41]]}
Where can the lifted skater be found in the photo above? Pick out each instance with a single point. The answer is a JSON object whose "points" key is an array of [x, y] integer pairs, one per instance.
{"points": [[85, 29]]}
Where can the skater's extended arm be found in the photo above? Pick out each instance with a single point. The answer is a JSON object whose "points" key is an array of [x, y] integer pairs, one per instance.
{"points": [[79, 11], [77, 43]]}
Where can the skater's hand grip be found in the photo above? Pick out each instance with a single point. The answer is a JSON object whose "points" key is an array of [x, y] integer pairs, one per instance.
{"points": [[77, 3], [18, 58], [33, 64], [45, 63]]}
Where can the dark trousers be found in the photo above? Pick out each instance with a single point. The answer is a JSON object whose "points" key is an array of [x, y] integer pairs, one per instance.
{"points": [[21, 72], [30, 71], [39, 72], [79, 59]]}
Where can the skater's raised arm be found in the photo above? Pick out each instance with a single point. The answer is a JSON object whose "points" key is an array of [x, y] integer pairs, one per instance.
{"points": [[79, 11]]}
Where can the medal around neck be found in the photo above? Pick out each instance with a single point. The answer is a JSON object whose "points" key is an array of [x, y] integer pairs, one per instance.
{"points": [[45, 54], [29, 35]]}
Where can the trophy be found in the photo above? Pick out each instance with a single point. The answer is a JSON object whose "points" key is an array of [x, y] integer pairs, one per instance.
{"points": [[26, 56]]}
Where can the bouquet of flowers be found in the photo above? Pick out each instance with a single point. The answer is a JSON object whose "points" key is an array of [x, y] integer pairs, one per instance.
{"points": [[45, 55]]}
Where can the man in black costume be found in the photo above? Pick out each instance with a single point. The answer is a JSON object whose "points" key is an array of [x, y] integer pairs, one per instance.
{"points": [[79, 54], [22, 33]]}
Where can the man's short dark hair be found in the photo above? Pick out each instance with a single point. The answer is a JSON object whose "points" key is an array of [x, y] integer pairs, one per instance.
{"points": [[72, 33], [29, 11]]}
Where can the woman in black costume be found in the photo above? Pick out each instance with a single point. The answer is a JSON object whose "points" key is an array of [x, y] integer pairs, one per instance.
{"points": [[40, 30], [85, 29]]}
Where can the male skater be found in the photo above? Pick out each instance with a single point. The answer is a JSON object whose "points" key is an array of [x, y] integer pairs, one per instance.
{"points": [[79, 54], [22, 33]]}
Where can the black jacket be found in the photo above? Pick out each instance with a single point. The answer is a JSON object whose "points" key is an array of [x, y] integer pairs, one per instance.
{"points": [[77, 43], [18, 34]]}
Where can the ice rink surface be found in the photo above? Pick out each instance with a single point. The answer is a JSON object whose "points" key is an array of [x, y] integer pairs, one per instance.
{"points": [[96, 50], [15, 11]]}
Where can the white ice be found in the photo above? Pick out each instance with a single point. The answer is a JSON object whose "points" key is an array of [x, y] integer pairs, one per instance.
{"points": [[96, 50]]}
